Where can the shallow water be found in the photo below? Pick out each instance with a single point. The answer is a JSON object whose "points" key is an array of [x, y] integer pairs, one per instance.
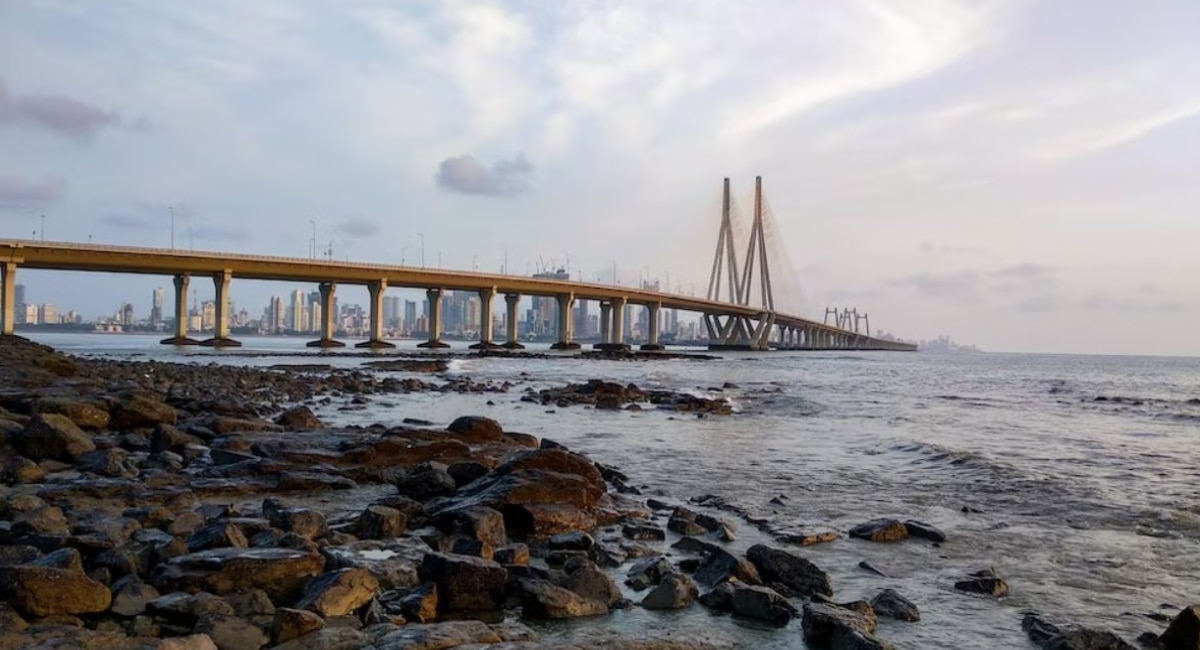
{"points": [[1090, 508]]}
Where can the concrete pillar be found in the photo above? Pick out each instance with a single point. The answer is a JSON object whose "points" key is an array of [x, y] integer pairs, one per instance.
{"points": [[376, 289], [434, 296], [566, 326], [220, 337], [181, 313], [618, 321], [652, 318], [513, 317], [8, 298], [328, 318], [485, 320], [605, 322]]}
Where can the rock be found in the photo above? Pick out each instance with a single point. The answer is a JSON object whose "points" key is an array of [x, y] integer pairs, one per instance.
{"points": [[1051, 637], [84, 415], [644, 533], [880, 530], [112, 462], [185, 609], [166, 437], [720, 599], [683, 521], [381, 522], [299, 418], [420, 604], [924, 531], [790, 574], [10, 620], [280, 572], [305, 522], [675, 591], [512, 554], [720, 564], [426, 481], [13, 554], [477, 522], [761, 603], [807, 538], [464, 582], [21, 470], [647, 572], [535, 521], [474, 428], [289, 624], [221, 535], [393, 562], [435, 636], [329, 638], [541, 599], [986, 582], [250, 603], [41, 520], [847, 639], [1184, 631], [231, 632], [130, 596], [572, 541], [890, 604], [190, 642], [48, 591], [591, 583], [54, 437], [467, 471], [821, 621], [339, 593], [136, 411]]}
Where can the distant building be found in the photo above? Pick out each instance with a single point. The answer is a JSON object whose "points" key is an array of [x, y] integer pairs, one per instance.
{"points": [[208, 315], [544, 312], [29, 315], [125, 315], [19, 296], [410, 315], [48, 314], [156, 308]]}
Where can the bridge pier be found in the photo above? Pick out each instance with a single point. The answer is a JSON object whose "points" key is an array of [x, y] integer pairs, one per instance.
{"points": [[8, 298], [512, 321], [605, 325], [616, 330], [435, 342], [566, 329], [220, 337], [376, 289], [328, 292], [652, 319], [181, 313], [485, 320]]}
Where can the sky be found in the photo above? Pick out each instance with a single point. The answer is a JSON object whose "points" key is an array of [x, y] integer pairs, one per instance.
{"points": [[1018, 174]]}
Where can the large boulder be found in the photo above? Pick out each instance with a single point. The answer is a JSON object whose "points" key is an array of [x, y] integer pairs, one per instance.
{"points": [[137, 411], [475, 428], [52, 436], [647, 572], [675, 591], [299, 418], [425, 481], [130, 596], [48, 591], [477, 522], [593, 584], [339, 593], [289, 624], [420, 604], [393, 562], [1184, 631], [381, 522], [821, 621], [231, 632], [761, 603], [881, 530], [112, 462], [985, 581], [280, 572], [888, 603], [789, 574], [1051, 637], [435, 636], [465, 583], [84, 414], [720, 565], [541, 599]]}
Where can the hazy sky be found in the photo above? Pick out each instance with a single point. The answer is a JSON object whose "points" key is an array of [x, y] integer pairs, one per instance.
{"points": [[1020, 175]]}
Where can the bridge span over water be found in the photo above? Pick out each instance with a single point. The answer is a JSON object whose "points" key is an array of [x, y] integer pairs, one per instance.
{"points": [[222, 268]]}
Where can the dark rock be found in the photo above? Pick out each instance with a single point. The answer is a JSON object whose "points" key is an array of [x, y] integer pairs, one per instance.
{"points": [[683, 521], [720, 599], [761, 603], [185, 609], [512, 554], [251, 603], [675, 591], [986, 582], [572, 541], [475, 428], [466, 472], [541, 599], [848, 639], [880, 530], [890, 604], [166, 437], [1050, 637], [478, 522], [1184, 631], [112, 462], [426, 481], [790, 574], [924, 531], [289, 624], [647, 572], [644, 533], [393, 562], [83, 414], [299, 418], [52, 436], [305, 522], [433, 636], [420, 604], [63, 558], [381, 522], [221, 535], [339, 593], [136, 411], [280, 572], [463, 582], [721, 565], [871, 568], [822, 621], [20, 470], [591, 583]]}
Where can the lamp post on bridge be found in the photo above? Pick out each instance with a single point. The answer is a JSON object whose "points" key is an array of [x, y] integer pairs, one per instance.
{"points": [[421, 236], [43, 227]]}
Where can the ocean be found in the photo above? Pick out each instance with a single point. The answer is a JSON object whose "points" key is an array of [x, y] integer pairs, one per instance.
{"points": [[1074, 476]]}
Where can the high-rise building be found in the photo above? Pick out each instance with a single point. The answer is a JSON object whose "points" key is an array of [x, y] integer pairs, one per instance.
{"points": [[297, 322], [125, 315], [410, 316], [48, 314], [276, 316], [156, 308], [391, 311], [19, 296], [545, 308], [208, 315], [29, 315]]}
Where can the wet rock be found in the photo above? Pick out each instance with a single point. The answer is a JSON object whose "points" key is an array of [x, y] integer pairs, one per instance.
{"points": [[541, 599], [339, 593], [590, 583], [1051, 637], [475, 428], [789, 574], [305, 522], [130, 596], [871, 568], [18, 470], [675, 591], [136, 411], [847, 639], [719, 565], [433, 636], [822, 621], [41, 520], [299, 418], [10, 620], [381, 522], [189, 642], [85, 415], [647, 572], [683, 521], [393, 562], [49, 591], [312, 481], [328, 638], [166, 437], [572, 541], [289, 624], [880, 530], [720, 598], [251, 603], [420, 604], [113, 462], [890, 604], [466, 471], [15, 554], [185, 609], [986, 582], [220, 535], [477, 522], [536, 521], [52, 436], [426, 481], [924, 531], [280, 572], [231, 632], [1184, 631], [463, 582], [761, 603], [644, 533]]}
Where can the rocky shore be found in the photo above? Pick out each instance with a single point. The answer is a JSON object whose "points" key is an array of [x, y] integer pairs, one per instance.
{"points": [[173, 506]]}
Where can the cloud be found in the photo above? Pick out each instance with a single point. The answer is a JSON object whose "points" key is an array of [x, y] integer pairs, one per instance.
{"points": [[129, 221], [58, 114], [960, 285], [1025, 271], [1117, 134], [16, 192], [466, 175], [358, 227]]}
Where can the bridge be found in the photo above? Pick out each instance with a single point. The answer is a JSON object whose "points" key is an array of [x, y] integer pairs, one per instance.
{"points": [[742, 320]]}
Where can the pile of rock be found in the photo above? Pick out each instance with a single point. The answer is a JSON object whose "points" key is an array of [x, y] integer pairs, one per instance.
{"points": [[605, 395]]}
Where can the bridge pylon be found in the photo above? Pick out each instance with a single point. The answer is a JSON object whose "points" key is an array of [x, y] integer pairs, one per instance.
{"points": [[731, 284]]}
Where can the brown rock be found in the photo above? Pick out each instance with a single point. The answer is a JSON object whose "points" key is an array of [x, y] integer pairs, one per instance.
{"points": [[280, 572], [381, 522], [231, 632], [46, 591], [299, 418], [21, 470], [292, 623], [83, 414], [340, 592], [474, 428], [541, 599], [54, 437], [136, 411], [881, 530], [464, 582]]}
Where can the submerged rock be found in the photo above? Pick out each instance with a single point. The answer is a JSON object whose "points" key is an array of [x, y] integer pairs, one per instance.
{"points": [[880, 530], [790, 574], [541, 599], [675, 591], [986, 582], [890, 604]]}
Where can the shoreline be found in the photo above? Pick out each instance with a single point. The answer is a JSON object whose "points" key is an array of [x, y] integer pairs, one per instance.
{"points": [[545, 528]]}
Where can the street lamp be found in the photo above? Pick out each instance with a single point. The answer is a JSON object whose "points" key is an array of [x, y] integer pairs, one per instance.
{"points": [[313, 246], [43, 227], [171, 209], [422, 238]]}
